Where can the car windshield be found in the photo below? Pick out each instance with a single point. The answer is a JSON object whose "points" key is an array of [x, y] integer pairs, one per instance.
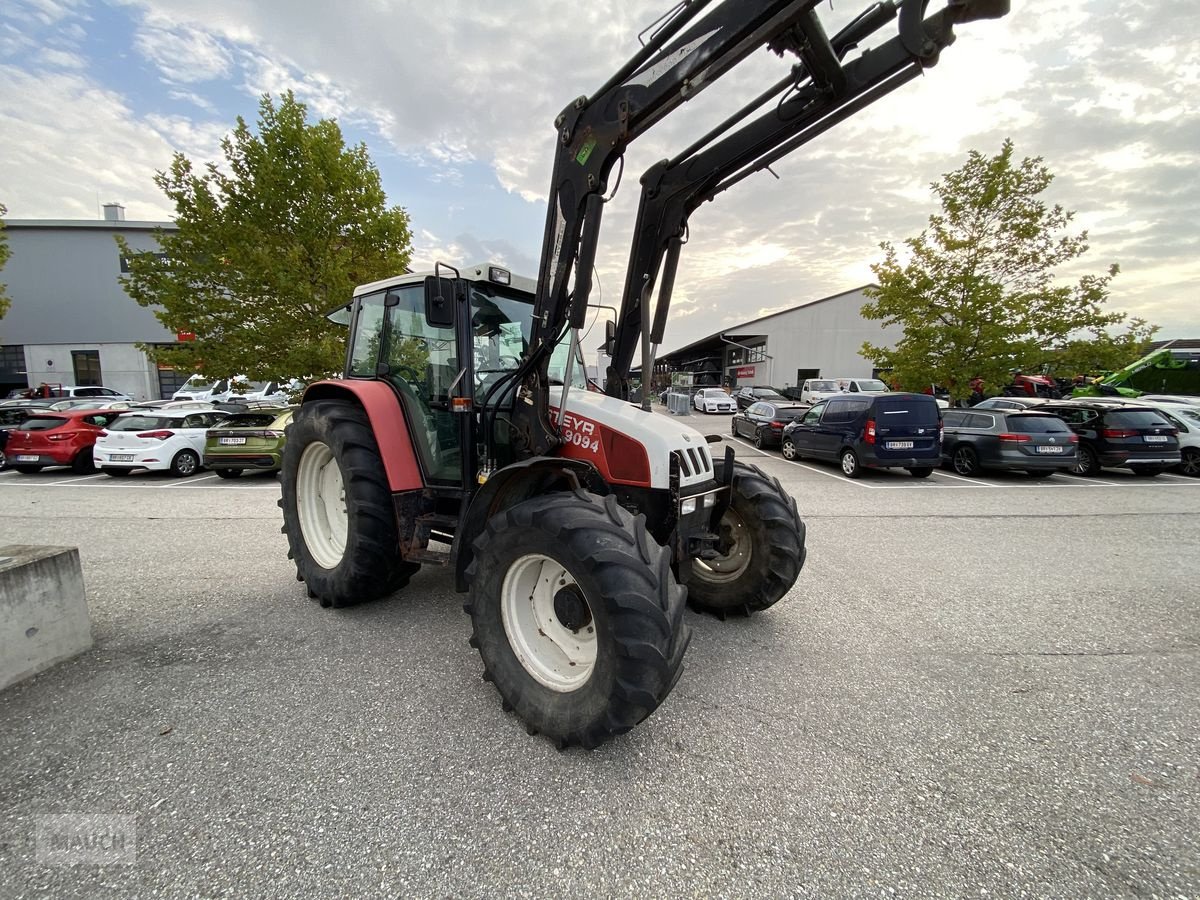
{"points": [[42, 423], [143, 423], [1137, 418], [768, 394], [249, 387], [198, 384], [1037, 424], [822, 386], [872, 384]]}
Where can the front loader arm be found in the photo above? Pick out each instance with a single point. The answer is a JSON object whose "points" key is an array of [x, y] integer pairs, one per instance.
{"points": [[821, 93], [684, 56]]}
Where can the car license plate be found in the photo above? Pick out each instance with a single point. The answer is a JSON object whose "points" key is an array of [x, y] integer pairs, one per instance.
{"points": [[121, 457], [1049, 449], [899, 445], [233, 440], [28, 458], [1155, 438]]}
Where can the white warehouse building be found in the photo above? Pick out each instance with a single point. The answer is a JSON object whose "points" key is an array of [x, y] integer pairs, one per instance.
{"points": [[821, 338]]}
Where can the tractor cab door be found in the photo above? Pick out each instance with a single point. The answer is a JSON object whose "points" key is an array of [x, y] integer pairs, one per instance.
{"points": [[393, 342]]}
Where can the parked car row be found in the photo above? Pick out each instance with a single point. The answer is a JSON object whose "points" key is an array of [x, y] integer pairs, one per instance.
{"points": [[870, 430], [119, 442]]}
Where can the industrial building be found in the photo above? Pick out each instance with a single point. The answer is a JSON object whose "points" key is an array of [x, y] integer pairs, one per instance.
{"points": [[71, 321], [821, 338]]}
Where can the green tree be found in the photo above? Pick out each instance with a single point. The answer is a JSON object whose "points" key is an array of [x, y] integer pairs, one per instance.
{"points": [[267, 243], [5, 252], [977, 295]]}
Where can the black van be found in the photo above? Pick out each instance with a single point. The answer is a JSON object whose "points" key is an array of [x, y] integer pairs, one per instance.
{"points": [[873, 431]]}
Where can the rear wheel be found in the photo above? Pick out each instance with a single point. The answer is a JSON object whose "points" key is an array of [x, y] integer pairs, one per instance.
{"points": [[733, 427], [185, 463], [850, 464], [228, 473], [337, 508], [758, 439], [577, 616], [761, 551], [1087, 464], [966, 460], [28, 470], [1191, 462], [83, 464]]}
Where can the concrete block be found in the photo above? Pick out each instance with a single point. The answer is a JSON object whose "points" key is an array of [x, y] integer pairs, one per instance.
{"points": [[43, 611]]}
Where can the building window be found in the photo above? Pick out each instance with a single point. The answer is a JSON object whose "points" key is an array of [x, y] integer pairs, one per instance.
{"points": [[12, 360], [87, 367], [757, 354]]}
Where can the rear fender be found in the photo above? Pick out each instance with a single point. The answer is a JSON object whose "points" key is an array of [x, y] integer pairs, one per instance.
{"points": [[510, 486], [383, 410]]}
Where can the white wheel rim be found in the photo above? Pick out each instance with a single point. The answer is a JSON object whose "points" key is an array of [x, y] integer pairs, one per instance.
{"points": [[789, 450], [321, 505], [848, 464], [557, 657], [733, 563]]}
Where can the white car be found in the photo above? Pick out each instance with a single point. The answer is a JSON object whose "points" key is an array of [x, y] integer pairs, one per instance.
{"points": [[160, 440], [1187, 419], [815, 390], [713, 400], [201, 387]]}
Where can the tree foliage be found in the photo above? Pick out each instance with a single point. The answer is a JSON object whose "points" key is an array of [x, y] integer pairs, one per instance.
{"points": [[267, 243], [5, 252], [977, 293]]}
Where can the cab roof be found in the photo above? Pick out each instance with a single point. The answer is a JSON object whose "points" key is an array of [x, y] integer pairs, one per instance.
{"points": [[476, 272]]}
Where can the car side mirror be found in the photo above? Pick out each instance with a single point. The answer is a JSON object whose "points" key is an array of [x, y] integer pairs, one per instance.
{"points": [[439, 302]]}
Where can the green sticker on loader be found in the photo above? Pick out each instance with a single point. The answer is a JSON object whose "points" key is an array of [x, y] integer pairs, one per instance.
{"points": [[585, 151]]}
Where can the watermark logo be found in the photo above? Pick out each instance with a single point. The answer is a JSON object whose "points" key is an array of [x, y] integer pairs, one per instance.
{"points": [[86, 839]]}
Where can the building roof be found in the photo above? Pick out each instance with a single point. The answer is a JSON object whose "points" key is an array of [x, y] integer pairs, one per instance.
{"points": [[1176, 344], [742, 329], [102, 224]]}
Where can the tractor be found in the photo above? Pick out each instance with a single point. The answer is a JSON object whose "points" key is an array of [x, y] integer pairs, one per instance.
{"points": [[464, 434]]}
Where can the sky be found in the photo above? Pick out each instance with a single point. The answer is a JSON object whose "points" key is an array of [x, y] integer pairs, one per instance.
{"points": [[455, 102]]}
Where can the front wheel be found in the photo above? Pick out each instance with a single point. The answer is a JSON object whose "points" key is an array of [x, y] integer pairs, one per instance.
{"points": [[761, 551], [1086, 464], [577, 616], [788, 449], [83, 464], [921, 471], [966, 460], [1191, 462], [337, 509], [228, 473], [185, 463], [1148, 471]]}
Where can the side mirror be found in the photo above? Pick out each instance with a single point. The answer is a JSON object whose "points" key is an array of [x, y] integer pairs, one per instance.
{"points": [[610, 337], [439, 302]]}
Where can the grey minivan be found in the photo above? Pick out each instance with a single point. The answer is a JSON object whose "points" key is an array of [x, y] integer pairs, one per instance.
{"points": [[872, 431]]}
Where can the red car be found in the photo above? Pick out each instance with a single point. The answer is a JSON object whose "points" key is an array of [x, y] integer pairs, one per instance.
{"points": [[57, 439]]}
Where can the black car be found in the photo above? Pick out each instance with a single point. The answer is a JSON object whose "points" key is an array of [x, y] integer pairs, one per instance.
{"points": [[764, 422], [750, 395], [10, 418], [872, 431], [1036, 443], [1137, 438]]}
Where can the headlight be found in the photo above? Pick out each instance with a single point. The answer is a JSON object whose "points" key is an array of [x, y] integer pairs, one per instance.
{"points": [[710, 500], [687, 507]]}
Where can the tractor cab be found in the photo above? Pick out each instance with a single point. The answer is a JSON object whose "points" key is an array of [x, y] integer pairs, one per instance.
{"points": [[443, 371]]}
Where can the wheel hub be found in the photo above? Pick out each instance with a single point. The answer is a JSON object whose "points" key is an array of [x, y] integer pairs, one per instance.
{"points": [[571, 608], [735, 550]]}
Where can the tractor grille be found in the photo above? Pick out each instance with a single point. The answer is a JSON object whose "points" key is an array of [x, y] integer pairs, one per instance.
{"points": [[694, 462]]}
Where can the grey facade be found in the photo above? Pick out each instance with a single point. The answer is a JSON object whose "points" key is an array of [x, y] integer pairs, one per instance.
{"points": [[820, 338], [70, 315]]}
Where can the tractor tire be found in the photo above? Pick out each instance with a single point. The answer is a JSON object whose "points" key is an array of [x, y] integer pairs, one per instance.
{"points": [[337, 508], [577, 616], [766, 548]]}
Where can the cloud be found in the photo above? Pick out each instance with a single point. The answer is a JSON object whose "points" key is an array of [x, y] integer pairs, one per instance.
{"points": [[183, 55]]}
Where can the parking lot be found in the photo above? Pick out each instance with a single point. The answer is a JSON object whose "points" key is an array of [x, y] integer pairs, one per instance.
{"points": [[982, 687]]}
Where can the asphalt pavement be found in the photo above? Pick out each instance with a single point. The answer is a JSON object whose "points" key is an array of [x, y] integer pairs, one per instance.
{"points": [[975, 689]]}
